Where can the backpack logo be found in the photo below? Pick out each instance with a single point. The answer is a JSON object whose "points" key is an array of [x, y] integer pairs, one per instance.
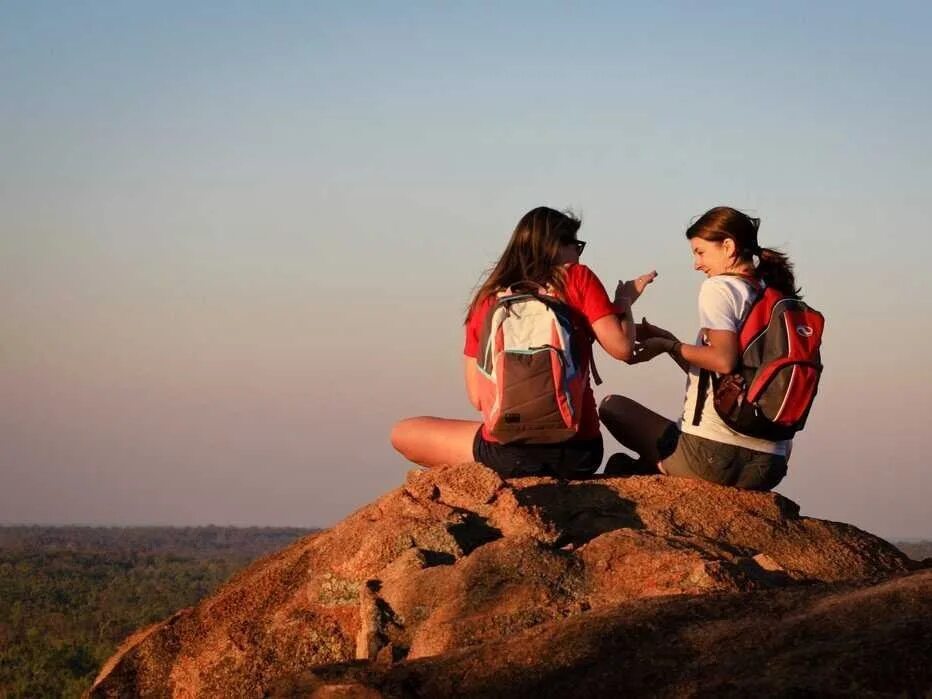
{"points": [[804, 331]]}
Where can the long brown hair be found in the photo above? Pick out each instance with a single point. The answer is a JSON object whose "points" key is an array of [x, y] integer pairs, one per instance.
{"points": [[531, 254], [724, 222]]}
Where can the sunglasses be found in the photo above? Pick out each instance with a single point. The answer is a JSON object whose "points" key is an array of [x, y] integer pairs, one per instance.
{"points": [[580, 245]]}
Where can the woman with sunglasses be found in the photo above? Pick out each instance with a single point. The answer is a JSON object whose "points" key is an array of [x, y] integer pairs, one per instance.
{"points": [[544, 249], [700, 445]]}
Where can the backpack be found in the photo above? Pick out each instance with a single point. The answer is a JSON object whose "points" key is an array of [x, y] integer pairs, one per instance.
{"points": [[532, 378], [770, 392]]}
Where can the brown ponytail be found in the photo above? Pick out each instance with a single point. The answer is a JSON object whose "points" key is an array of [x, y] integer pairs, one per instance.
{"points": [[776, 270]]}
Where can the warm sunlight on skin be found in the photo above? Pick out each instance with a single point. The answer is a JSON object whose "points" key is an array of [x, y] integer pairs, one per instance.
{"points": [[712, 257], [715, 257]]}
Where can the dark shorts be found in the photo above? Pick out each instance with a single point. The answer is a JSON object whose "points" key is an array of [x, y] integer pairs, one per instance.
{"points": [[690, 456], [576, 458]]}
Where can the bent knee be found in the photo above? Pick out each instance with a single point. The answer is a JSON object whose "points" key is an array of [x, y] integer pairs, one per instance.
{"points": [[407, 434], [613, 406], [401, 434]]}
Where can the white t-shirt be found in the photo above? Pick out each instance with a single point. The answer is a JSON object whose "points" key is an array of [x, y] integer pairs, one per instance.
{"points": [[723, 302]]}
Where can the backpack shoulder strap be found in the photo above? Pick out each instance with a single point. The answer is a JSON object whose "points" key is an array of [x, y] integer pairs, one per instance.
{"points": [[528, 286], [595, 372], [757, 287], [705, 376], [702, 390]]}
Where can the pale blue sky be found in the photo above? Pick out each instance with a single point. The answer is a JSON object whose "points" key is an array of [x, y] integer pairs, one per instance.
{"points": [[237, 238]]}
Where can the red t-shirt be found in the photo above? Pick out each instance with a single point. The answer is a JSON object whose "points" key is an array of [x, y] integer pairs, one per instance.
{"points": [[585, 295]]}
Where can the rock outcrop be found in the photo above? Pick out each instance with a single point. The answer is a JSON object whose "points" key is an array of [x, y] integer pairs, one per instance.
{"points": [[837, 640], [460, 583]]}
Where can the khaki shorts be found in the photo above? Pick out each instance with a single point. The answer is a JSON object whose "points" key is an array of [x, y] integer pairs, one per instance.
{"points": [[690, 456]]}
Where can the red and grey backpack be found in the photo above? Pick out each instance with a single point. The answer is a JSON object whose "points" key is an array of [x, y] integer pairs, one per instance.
{"points": [[532, 376], [770, 392]]}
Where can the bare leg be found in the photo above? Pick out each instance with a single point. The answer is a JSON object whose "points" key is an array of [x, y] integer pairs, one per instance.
{"points": [[435, 441], [635, 427]]}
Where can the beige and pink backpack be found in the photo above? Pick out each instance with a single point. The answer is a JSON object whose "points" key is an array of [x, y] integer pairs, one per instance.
{"points": [[531, 372]]}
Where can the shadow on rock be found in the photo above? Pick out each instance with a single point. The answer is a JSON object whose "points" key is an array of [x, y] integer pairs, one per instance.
{"points": [[581, 511], [473, 532]]}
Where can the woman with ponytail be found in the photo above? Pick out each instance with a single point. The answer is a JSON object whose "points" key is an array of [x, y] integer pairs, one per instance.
{"points": [[724, 247]]}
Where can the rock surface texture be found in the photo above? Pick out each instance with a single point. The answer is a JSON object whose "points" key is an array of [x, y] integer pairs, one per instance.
{"points": [[462, 584]]}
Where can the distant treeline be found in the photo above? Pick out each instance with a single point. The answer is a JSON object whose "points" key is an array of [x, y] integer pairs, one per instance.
{"points": [[917, 550], [70, 595], [196, 542]]}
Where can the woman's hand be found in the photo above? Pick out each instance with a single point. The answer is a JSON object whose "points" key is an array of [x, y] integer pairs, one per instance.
{"points": [[646, 330], [647, 349], [631, 290]]}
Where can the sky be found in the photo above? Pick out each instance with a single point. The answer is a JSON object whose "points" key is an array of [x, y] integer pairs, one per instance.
{"points": [[237, 239]]}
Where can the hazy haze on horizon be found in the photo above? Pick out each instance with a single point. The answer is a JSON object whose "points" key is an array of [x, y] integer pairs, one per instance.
{"points": [[237, 240]]}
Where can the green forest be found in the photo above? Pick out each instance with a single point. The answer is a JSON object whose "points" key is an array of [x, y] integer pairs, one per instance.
{"points": [[70, 595]]}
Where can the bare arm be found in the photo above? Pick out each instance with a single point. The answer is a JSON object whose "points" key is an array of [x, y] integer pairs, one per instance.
{"points": [[616, 334], [720, 355], [470, 369]]}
